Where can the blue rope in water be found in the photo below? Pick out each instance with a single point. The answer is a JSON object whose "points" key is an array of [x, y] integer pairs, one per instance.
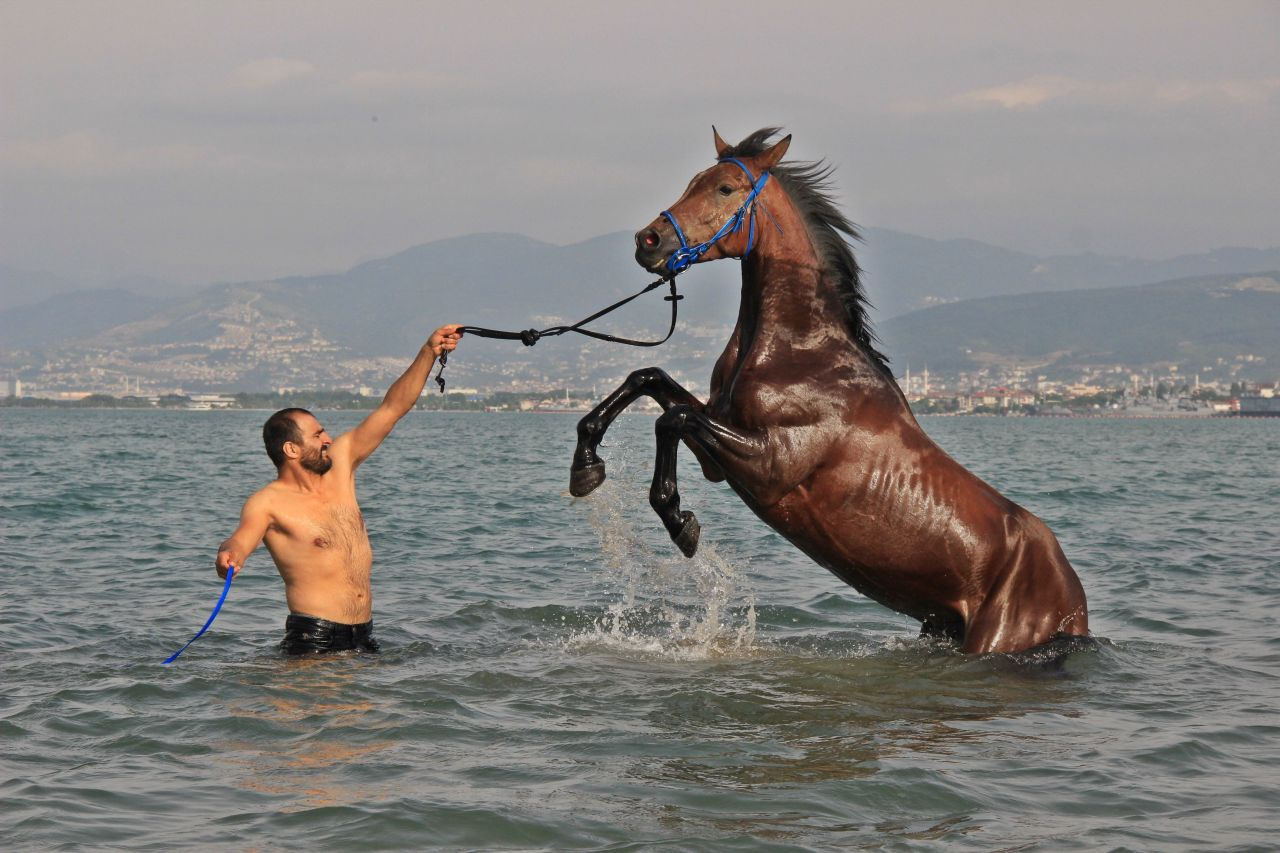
{"points": [[231, 573]]}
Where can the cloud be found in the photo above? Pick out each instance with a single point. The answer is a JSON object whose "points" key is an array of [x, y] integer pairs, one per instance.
{"points": [[541, 174], [1245, 92], [402, 82], [1041, 90], [266, 73], [1022, 94], [87, 153]]}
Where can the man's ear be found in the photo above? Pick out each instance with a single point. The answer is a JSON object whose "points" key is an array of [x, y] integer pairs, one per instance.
{"points": [[292, 450]]}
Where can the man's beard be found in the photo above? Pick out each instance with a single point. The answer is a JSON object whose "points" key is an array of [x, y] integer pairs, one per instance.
{"points": [[316, 462]]}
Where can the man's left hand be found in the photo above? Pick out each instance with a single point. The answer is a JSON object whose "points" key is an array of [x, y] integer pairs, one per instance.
{"points": [[445, 339]]}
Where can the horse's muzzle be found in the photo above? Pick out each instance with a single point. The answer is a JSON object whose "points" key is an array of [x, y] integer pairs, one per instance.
{"points": [[654, 244]]}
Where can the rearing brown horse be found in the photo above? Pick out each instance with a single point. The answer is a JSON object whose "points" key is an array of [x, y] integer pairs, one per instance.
{"points": [[805, 422]]}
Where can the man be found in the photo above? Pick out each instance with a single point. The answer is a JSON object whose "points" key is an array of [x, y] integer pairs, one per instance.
{"points": [[311, 522]]}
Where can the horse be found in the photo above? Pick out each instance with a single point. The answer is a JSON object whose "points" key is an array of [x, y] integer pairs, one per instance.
{"points": [[805, 421]]}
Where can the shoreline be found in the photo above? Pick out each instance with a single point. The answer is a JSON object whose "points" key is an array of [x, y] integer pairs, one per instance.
{"points": [[1101, 416]]}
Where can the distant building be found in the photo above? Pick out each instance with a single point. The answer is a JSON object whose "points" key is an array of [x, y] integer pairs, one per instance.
{"points": [[210, 401], [13, 387], [1260, 406]]}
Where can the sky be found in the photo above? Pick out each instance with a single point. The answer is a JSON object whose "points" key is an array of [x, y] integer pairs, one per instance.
{"points": [[198, 141]]}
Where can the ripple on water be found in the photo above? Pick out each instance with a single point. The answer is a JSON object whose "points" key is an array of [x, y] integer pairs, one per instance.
{"points": [[556, 676]]}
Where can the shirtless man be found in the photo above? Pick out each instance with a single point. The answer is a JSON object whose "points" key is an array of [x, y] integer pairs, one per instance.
{"points": [[309, 518]]}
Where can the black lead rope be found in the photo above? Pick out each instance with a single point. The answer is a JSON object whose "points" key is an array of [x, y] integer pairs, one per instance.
{"points": [[529, 337]]}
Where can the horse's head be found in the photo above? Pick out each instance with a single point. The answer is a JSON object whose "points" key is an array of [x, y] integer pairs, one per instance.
{"points": [[715, 218]]}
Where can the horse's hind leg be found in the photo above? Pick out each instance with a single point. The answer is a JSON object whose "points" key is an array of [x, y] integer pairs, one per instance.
{"points": [[712, 439], [587, 471], [943, 627], [664, 496]]}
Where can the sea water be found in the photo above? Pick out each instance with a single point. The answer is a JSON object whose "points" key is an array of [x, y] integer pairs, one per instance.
{"points": [[556, 676]]}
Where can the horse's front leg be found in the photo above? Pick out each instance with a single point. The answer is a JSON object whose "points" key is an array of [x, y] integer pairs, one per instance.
{"points": [[587, 471], [724, 446]]}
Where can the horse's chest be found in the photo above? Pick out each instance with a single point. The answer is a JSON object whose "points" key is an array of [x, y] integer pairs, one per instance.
{"points": [[758, 404]]}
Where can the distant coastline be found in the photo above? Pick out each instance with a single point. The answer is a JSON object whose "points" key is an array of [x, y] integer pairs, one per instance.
{"points": [[553, 403]]}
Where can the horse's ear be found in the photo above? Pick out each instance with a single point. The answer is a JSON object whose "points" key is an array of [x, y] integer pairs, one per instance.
{"points": [[768, 159], [721, 145]]}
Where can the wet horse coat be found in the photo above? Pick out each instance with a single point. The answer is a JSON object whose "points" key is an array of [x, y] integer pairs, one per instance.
{"points": [[806, 424]]}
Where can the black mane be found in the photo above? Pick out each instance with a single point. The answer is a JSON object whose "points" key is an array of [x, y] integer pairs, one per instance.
{"points": [[809, 185]]}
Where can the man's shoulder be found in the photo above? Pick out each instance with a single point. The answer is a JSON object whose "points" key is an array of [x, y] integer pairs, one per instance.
{"points": [[343, 445], [266, 496]]}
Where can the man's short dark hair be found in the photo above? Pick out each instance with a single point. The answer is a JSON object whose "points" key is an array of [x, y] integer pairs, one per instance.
{"points": [[279, 428]]}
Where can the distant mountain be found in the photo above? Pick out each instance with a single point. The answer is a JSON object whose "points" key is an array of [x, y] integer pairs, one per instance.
{"points": [[25, 287], [507, 277], [325, 330], [19, 287], [905, 273], [359, 326], [387, 306], [1189, 322], [72, 316]]}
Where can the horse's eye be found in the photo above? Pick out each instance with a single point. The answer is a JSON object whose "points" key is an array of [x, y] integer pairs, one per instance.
{"points": [[725, 189]]}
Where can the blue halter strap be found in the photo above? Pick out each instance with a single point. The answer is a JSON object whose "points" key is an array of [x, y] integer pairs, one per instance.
{"points": [[686, 256]]}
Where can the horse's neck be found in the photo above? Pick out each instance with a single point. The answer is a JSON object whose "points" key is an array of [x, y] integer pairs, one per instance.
{"points": [[789, 302]]}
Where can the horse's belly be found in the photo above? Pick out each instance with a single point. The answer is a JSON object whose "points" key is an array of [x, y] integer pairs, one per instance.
{"points": [[901, 565]]}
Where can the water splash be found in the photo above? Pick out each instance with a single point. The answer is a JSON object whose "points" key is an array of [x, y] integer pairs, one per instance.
{"points": [[664, 604]]}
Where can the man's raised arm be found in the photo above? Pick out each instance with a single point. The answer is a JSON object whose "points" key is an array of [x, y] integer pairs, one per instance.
{"points": [[401, 396]]}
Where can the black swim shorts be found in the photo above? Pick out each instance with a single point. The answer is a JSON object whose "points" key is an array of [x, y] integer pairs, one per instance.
{"points": [[306, 635]]}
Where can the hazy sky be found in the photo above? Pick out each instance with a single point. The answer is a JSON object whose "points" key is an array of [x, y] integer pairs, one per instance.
{"points": [[223, 140]]}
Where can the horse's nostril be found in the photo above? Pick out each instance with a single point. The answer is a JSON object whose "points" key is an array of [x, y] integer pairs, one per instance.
{"points": [[651, 238]]}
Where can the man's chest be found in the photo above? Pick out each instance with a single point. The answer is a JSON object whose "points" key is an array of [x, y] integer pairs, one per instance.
{"points": [[318, 523]]}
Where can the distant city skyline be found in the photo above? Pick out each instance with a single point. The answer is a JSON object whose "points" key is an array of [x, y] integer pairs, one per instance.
{"points": [[238, 141]]}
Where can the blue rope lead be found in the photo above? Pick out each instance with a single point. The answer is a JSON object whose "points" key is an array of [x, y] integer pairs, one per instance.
{"points": [[231, 573]]}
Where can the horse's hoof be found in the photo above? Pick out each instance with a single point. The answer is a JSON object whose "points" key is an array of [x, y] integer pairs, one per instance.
{"points": [[687, 539], [583, 481]]}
